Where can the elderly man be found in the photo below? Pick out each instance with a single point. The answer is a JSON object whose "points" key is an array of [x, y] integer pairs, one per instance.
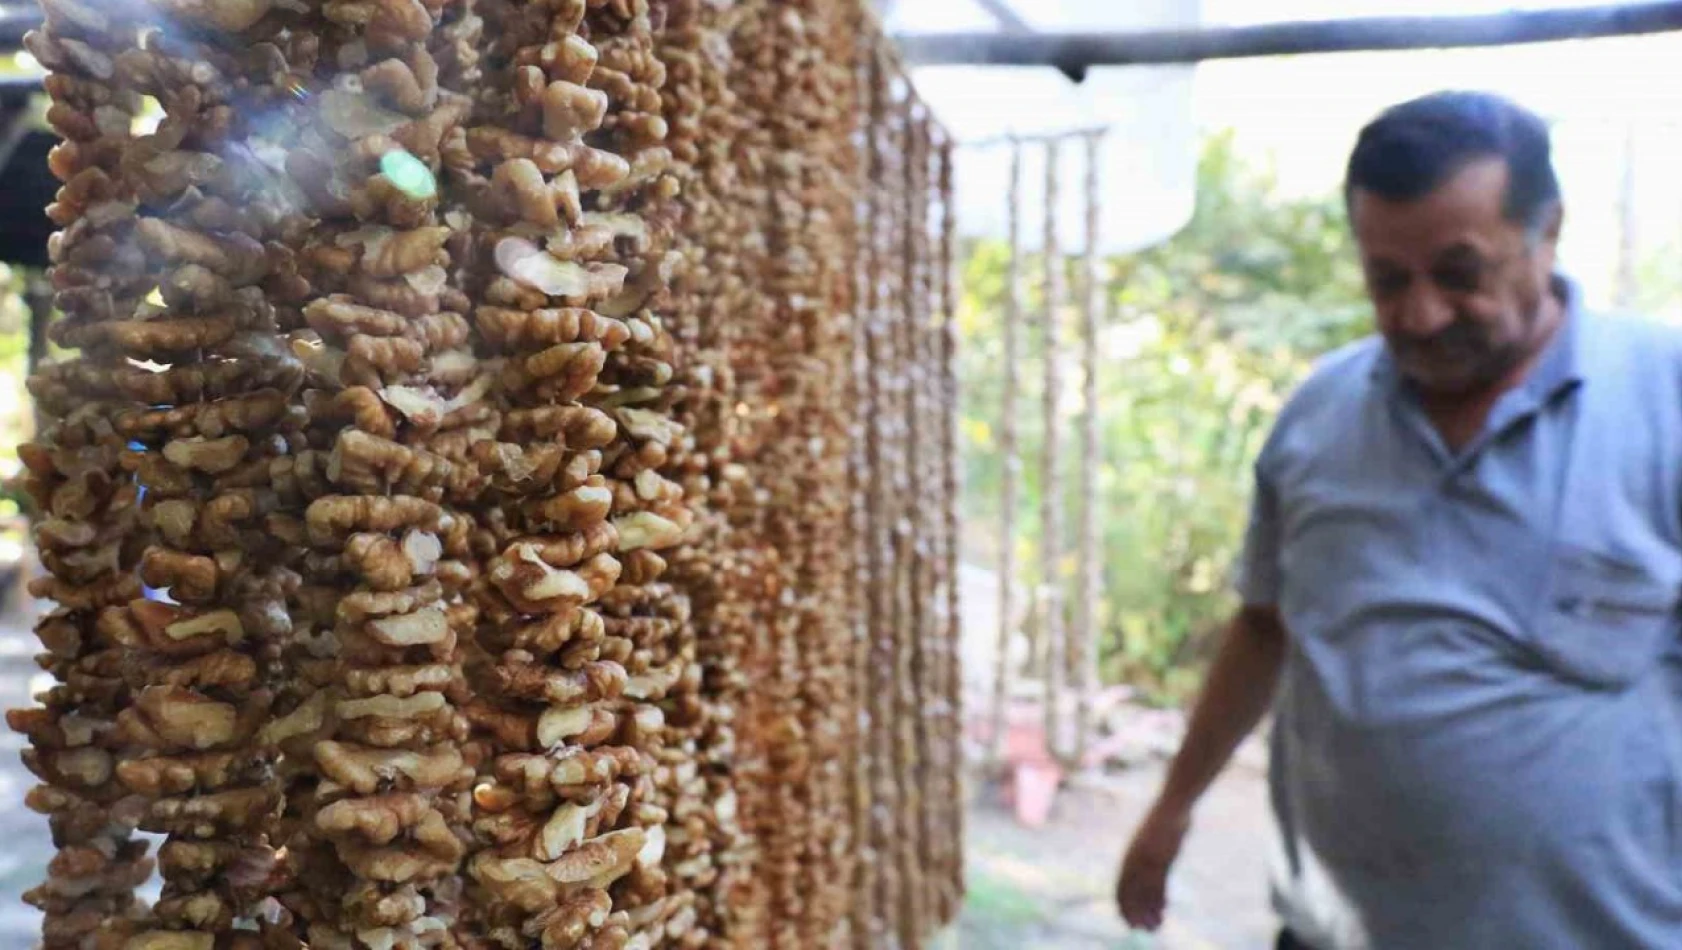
{"points": [[1460, 585]]}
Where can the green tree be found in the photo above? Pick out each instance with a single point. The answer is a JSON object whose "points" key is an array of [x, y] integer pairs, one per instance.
{"points": [[1206, 335]]}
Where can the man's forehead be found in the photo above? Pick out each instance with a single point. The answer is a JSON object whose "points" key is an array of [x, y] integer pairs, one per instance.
{"points": [[1467, 207]]}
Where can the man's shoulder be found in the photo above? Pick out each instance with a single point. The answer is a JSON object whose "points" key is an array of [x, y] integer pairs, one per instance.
{"points": [[1349, 364], [1635, 335], [1337, 378], [1640, 354], [1327, 401]]}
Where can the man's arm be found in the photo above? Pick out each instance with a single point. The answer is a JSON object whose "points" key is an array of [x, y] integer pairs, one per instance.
{"points": [[1236, 694]]}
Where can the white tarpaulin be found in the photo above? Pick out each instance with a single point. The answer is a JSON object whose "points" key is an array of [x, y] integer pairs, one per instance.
{"points": [[1149, 158]]}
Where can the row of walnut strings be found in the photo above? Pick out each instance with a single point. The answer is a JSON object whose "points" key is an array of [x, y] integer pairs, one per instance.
{"points": [[907, 788], [427, 374]]}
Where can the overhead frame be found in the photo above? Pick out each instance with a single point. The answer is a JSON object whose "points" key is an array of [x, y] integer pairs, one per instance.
{"points": [[1075, 52]]}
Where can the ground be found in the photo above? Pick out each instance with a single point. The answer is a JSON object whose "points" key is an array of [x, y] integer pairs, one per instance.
{"points": [[26, 844], [1051, 888]]}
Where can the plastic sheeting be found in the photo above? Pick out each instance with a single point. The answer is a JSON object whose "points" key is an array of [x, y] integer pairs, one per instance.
{"points": [[1149, 156]]}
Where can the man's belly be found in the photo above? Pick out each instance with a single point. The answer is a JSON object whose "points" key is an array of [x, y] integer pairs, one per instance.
{"points": [[1407, 795], [1441, 792]]}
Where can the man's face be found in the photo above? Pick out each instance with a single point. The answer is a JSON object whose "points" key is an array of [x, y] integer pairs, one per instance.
{"points": [[1459, 289]]}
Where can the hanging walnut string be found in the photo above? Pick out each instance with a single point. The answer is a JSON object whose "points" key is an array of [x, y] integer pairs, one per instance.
{"points": [[205, 360], [1083, 639], [932, 648], [650, 509], [885, 692], [700, 831], [87, 526], [1051, 628], [909, 747], [873, 494], [560, 807], [721, 569], [812, 446], [395, 396], [951, 689], [1011, 465]]}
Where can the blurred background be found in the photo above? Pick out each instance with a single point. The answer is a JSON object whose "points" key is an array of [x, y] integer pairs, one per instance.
{"points": [[1226, 270]]}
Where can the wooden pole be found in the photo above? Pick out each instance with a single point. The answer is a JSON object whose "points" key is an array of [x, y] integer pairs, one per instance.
{"points": [[1076, 51]]}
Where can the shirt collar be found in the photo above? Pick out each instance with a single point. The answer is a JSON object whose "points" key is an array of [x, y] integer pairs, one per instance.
{"points": [[1561, 363]]}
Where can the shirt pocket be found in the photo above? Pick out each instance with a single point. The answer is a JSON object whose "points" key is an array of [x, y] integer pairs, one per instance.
{"points": [[1604, 622]]}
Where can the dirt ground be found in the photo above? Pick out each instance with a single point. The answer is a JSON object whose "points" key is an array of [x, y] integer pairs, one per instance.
{"points": [[1051, 888]]}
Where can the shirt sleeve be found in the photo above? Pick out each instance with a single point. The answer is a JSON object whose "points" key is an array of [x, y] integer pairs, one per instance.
{"points": [[1258, 579]]}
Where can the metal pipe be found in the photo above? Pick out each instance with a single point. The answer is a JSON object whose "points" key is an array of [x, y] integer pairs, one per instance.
{"points": [[1077, 51]]}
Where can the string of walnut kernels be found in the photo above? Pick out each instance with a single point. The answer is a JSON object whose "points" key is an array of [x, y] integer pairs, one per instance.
{"points": [[650, 508], [1051, 617], [703, 852], [85, 505], [377, 798], [191, 211], [802, 465], [951, 689], [867, 446], [879, 859], [558, 811]]}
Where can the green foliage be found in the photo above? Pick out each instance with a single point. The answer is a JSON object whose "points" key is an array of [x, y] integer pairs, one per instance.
{"points": [[1205, 336]]}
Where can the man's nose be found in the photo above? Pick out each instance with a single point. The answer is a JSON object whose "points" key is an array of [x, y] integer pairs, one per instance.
{"points": [[1423, 312]]}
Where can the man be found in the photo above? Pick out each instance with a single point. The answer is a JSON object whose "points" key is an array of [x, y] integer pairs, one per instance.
{"points": [[1460, 585]]}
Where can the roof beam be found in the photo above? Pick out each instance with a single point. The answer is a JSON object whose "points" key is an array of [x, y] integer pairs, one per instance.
{"points": [[1073, 52]]}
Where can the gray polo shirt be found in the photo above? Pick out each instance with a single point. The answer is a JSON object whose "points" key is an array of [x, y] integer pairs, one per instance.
{"points": [[1478, 735]]}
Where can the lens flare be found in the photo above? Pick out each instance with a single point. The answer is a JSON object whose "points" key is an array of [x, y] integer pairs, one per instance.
{"points": [[409, 174]]}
